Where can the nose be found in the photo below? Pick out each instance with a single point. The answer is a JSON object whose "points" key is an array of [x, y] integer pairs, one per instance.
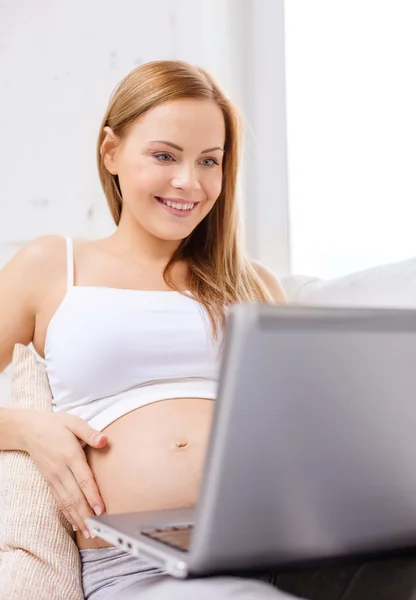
{"points": [[186, 178]]}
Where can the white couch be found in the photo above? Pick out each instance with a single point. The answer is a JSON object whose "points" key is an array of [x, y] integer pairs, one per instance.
{"points": [[392, 285]]}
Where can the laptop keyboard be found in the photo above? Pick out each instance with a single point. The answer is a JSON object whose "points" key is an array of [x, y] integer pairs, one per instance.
{"points": [[177, 536]]}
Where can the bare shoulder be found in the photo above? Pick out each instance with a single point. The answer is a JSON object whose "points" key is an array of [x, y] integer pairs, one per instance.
{"points": [[25, 281], [42, 249], [40, 260], [36, 259], [271, 281]]}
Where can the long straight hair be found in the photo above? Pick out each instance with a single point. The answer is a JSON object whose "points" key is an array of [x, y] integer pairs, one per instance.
{"points": [[220, 273]]}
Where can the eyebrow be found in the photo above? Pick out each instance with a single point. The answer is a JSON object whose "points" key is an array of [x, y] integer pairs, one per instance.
{"points": [[181, 149]]}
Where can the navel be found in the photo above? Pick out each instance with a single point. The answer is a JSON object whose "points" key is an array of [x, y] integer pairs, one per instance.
{"points": [[181, 443]]}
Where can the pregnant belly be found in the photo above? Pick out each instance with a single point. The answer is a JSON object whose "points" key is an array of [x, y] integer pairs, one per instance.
{"points": [[154, 459]]}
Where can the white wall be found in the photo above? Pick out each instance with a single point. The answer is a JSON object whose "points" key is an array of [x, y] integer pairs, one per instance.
{"points": [[59, 62], [351, 96]]}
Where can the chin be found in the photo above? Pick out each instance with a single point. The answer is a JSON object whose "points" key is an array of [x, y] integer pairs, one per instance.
{"points": [[171, 236]]}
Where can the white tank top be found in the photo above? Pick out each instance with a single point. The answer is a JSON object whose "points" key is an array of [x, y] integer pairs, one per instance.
{"points": [[109, 351]]}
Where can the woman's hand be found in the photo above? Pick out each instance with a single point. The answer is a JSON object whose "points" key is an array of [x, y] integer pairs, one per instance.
{"points": [[54, 444]]}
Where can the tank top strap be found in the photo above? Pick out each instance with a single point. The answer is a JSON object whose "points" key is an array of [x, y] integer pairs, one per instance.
{"points": [[70, 262]]}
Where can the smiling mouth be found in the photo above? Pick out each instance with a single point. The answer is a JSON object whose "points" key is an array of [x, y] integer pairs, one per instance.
{"points": [[179, 209]]}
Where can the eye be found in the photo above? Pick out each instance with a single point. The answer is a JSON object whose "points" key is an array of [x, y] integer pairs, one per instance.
{"points": [[163, 157], [209, 162]]}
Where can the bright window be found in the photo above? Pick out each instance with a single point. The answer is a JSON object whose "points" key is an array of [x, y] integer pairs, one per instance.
{"points": [[351, 122]]}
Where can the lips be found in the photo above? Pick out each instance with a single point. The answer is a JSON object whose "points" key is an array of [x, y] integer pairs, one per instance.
{"points": [[176, 207]]}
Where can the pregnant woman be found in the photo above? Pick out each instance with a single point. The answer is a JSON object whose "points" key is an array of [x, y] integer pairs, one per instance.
{"points": [[130, 327]]}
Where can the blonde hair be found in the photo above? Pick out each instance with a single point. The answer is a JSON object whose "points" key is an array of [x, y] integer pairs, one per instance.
{"points": [[219, 271]]}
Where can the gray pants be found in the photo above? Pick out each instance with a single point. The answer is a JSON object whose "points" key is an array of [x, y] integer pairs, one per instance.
{"points": [[110, 573]]}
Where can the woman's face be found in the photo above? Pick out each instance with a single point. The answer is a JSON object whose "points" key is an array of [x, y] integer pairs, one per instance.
{"points": [[169, 166]]}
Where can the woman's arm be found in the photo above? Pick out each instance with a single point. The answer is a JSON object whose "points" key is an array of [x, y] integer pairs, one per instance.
{"points": [[17, 325], [13, 423], [18, 286], [52, 440]]}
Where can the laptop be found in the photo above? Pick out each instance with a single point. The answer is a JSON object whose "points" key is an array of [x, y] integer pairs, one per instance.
{"points": [[312, 454]]}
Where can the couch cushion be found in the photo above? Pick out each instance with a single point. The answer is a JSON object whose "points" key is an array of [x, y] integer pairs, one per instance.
{"points": [[391, 285], [38, 557]]}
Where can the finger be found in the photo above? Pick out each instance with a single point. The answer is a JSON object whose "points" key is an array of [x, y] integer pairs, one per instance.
{"points": [[64, 511], [86, 482], [73, 500], [85, 433]]}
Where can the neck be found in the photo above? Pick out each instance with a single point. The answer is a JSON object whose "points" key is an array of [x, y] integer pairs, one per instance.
{"points": [[130, 238]]}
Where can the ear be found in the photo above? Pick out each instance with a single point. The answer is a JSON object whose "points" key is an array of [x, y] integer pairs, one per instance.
{"points": [[108, 150]]}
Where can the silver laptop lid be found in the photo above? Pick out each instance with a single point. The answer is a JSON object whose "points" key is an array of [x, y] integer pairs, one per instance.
{"points": [[315, 437]]}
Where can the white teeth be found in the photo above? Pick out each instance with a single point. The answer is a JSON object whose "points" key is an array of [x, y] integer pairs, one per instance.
{"points": [[177, 205]]}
